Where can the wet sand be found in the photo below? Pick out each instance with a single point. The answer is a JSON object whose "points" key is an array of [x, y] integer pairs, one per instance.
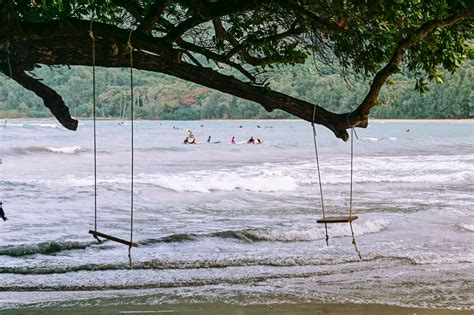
{"points": [[219, 308]]}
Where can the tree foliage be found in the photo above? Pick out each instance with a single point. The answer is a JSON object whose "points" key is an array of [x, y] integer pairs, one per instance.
{"points": [[234, 45]]}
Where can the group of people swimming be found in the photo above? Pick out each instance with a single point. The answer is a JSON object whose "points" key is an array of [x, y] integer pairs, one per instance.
{"points": [[249, 141], [190, 139]]}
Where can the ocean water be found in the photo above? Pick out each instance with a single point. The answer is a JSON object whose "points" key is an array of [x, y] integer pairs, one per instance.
{"points": [[236, 223]]}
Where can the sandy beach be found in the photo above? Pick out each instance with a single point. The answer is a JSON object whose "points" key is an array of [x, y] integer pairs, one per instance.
{"points": [[219, 308]]}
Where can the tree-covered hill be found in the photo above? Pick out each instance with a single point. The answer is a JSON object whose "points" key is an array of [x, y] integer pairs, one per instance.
{"points": [[159, 96]]}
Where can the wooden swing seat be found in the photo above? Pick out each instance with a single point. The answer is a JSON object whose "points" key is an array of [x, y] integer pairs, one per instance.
{"points": [[338, 219], [112, 238]]}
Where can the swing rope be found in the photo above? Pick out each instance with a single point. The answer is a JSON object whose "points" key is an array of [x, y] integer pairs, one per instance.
{"points": [[91, 34], [350, 219], [319, 176], [95, 233], [350, 193], [129, 44]]}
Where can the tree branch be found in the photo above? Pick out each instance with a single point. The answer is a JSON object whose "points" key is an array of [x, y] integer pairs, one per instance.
{"points": [[260, 41], [51, 99], [153, 16], [216, 57], [209, 10], [131, 6], [397, 57], [69, 53]]}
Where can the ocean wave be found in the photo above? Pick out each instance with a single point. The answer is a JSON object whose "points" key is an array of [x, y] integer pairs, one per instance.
{"points": [[157, 264], [8, 124], [250, 179], [170, 239], [297, 235], [44, 248], [43, 125], [466, 227], [287, 177], [275, 235], [39, 149]]}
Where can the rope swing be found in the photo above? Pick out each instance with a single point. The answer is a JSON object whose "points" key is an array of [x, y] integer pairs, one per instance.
{"points": [[95, 233], [335, 219]]}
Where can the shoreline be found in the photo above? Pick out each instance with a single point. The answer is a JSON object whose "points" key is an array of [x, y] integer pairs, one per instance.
{"points": [[395, 120], [234, 309]]}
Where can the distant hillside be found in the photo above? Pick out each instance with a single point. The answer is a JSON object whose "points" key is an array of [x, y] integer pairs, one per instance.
{"points": [[160, 96]]}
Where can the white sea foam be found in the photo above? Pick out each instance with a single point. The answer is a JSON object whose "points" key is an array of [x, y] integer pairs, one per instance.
{"points": [[66, 150], [8, 124], [340, 230], [38, 149], [467, 227], [46, 125], [284, 177], [223, 180]]}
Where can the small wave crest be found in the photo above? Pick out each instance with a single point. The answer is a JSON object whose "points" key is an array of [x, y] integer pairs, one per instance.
{"points": [[44, 125], [41, 248], [248, 179], [466, 227], [158, 264], [294, 235], [170, 239], [275, 235], [39, 149]]}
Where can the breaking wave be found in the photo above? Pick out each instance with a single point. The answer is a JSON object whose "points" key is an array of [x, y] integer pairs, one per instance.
{"points": [[287, 177], [158, 264], [274, 235], [41, 248], [466, 227], [43, 125], [39, 149], [170, 239]]}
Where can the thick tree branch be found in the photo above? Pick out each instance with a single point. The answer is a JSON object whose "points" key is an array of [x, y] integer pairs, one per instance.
{"points": [[67, 53], [51, 99], [67, 43]]}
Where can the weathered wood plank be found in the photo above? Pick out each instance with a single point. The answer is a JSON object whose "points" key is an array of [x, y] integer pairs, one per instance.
{"points": [[113, 238], [338, 219]]}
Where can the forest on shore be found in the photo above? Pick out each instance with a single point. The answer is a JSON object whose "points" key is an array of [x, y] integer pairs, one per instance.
{"points": [[158, 96]]}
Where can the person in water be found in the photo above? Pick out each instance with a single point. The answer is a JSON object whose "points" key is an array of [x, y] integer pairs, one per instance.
{"points": [[209, 139], [258, 141], [2, 213], [190, 138], [251, 141], [232, 141]]}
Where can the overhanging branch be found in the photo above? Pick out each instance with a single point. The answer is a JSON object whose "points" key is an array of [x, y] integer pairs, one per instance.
{"points": [[51, 99], [392, 66]]}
